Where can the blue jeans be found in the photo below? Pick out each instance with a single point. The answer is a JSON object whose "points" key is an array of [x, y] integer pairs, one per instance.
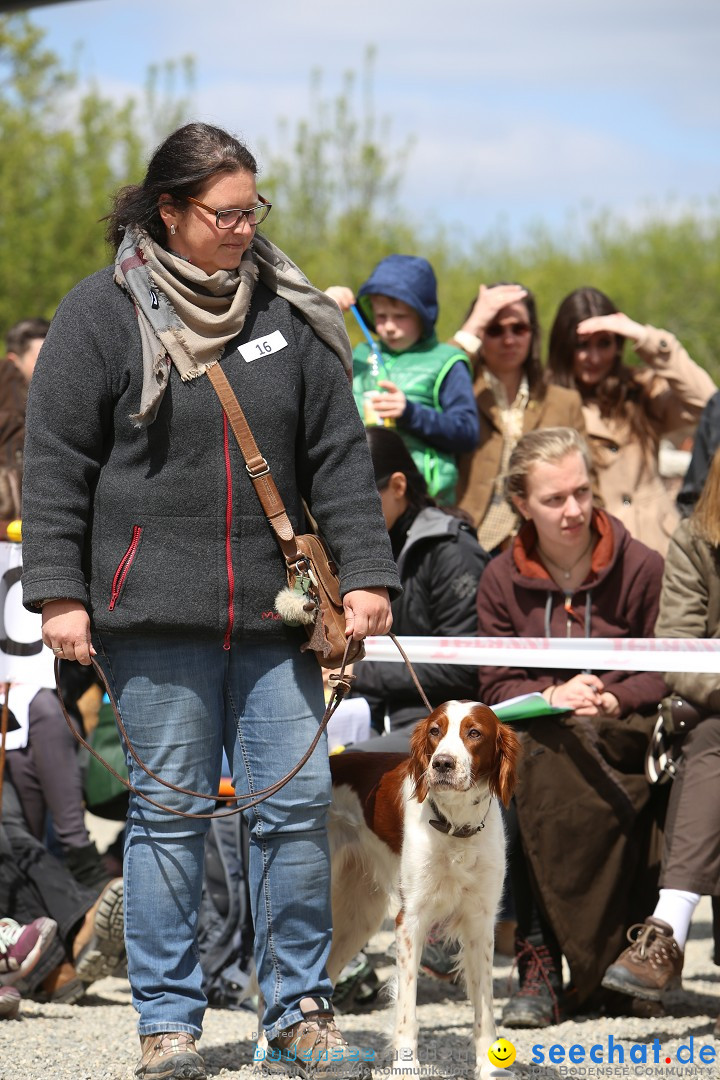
{"points": [[182, 701]]}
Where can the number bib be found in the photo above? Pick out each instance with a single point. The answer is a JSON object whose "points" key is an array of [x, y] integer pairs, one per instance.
{"points": [[262, 346]]}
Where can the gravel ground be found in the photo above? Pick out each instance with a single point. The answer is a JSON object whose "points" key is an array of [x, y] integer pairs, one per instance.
{"points": [[96, 1039]]}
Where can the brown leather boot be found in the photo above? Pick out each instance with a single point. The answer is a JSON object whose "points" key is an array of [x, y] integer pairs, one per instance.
{"points": [[61, 986], [651, 965], [505, 937], [170, 1054], [314, 1049]]}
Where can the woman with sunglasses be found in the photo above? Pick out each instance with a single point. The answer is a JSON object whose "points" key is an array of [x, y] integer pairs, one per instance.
{"points": [[502, 337], [581, 825], [627, 409], [147, 547]]}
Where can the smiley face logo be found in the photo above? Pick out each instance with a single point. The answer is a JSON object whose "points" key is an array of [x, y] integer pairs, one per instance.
{"points": [[502, 1053]]}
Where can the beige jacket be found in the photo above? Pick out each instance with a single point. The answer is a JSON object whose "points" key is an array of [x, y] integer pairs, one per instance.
{"points": [[479, 468], [630, 483], [690, 608]]}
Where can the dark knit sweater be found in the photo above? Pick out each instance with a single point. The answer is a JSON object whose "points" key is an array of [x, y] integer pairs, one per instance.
{"points": [[160, 530]]}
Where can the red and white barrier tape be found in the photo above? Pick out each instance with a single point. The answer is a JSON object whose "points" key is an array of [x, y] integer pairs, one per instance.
{"points": [[576, 654]]}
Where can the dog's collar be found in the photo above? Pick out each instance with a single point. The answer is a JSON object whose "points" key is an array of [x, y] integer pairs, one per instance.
{"points": [[441, 823]]}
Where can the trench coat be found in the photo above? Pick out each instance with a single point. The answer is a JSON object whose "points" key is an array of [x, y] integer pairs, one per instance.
{"points": [[677, 389]]}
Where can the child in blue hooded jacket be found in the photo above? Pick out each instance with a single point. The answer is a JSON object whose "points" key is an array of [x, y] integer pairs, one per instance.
{"points": [[411, 379]]}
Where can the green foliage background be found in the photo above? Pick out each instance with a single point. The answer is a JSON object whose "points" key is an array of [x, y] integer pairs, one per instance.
{"points": [[336, 190]]}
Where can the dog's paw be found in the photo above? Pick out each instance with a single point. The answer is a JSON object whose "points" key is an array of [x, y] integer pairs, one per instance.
{"points": [[492, 1072], [405, 1068]]}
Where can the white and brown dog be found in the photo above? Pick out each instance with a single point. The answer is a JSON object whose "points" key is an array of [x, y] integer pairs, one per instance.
{"points": [[423, 836]]}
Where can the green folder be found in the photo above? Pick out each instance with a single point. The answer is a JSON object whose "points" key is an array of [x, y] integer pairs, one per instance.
{"points": [[526, 707]]}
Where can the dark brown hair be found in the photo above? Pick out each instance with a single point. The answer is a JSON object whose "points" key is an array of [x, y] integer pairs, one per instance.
{"points": [[390, 455], [182, 165], [620, 396], [22, 333]]}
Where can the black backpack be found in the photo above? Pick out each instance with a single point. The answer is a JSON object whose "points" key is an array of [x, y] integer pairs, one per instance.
{"points": [[225, 926]]}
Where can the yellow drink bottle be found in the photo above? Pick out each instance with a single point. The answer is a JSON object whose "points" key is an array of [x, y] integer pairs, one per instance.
{"points": [[14, 531]]}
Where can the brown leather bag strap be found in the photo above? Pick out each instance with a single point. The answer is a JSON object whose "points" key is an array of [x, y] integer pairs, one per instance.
{"points": [[257, 467]]}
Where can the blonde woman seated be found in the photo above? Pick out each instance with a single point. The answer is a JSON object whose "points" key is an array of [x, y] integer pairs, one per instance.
{"points": [[582, 821]]}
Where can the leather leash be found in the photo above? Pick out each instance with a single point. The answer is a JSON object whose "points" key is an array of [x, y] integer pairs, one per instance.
{"points": [[341, 684]]}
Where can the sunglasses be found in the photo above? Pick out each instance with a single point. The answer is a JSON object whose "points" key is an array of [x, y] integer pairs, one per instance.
{"points": [[517, 329]]}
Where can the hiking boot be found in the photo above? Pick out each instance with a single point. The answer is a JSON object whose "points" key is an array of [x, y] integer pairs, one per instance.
{"points": [[99, 945], [22, 946], [9, 1002], [357, 984], [536, 1002], [505, 930], [61, 987], [314, 1048], [651, 965], [170, 1054], [439, 958]]}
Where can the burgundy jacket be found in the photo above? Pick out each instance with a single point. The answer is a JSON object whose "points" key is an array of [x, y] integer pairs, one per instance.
{"points": [[619, 599]]}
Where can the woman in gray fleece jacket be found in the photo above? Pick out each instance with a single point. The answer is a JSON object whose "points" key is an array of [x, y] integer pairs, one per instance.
{"points": [[146, 546]]}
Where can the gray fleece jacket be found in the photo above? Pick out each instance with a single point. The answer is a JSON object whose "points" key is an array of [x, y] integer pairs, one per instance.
{"points": [[159, 530]]}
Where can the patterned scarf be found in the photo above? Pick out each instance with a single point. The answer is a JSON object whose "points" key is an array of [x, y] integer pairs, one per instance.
{"points": [[187, 317]]}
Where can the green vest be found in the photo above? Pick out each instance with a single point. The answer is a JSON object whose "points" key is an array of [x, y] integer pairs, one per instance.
{"points": [[418, 372]]}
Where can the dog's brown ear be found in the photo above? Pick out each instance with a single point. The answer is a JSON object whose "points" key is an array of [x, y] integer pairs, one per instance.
{"points": [[420, 755], [504, 773]]}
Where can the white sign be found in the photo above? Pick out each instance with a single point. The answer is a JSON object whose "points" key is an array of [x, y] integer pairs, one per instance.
{"points": [[586, 654], [23, 657]]}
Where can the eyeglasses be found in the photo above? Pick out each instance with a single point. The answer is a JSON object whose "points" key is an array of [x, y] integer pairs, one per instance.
{"points": [[517, 329], [229, 219]]}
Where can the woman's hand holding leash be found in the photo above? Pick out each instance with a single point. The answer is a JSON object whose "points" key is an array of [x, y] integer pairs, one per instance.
{"points": [[367, 613], [66, 630]]}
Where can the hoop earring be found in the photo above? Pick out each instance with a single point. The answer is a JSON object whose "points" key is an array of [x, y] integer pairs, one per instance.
{"points": [[172, 230]]}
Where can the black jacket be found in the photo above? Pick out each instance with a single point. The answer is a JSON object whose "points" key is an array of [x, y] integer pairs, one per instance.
{"points": [[707, 440], [440, 563]]}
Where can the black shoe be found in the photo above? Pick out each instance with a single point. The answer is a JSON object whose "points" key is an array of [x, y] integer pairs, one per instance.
{"points": [[86, 866], [536, 1002], [358, 985], [440, 958]]}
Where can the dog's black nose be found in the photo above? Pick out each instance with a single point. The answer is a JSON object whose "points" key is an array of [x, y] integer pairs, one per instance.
{"points": [[443, 763]]}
